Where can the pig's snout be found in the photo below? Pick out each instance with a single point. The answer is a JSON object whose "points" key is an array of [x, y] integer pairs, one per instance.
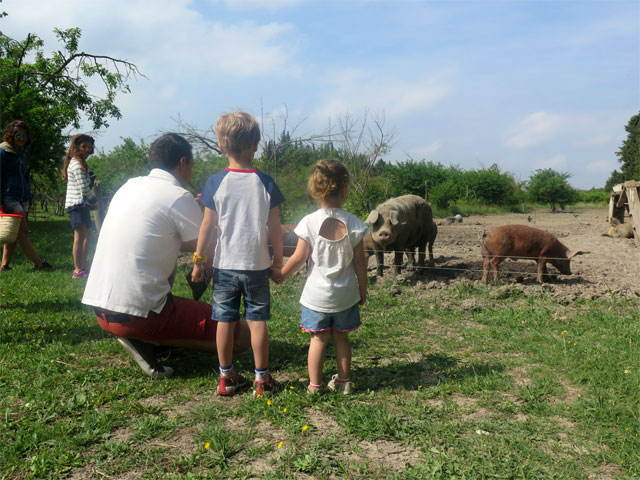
{"points": [[383, 237]]}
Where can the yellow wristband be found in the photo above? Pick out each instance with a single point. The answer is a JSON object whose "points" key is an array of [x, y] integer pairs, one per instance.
{"points": [[197, 259]]}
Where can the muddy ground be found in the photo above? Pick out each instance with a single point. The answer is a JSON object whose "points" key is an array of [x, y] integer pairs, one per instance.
{"points": [[612, 266]]}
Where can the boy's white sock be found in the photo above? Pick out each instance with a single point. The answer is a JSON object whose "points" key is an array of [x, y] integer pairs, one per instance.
{"points": [[262, 373]]}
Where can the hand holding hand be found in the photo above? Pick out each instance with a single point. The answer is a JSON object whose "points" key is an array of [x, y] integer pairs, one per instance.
{"points": [[275, 274]]}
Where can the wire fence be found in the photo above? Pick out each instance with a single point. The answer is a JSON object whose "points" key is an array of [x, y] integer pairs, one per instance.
{"points": [[587, 259]]}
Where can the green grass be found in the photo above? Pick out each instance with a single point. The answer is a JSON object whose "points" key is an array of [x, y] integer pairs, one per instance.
{"points": [[452, 383]]}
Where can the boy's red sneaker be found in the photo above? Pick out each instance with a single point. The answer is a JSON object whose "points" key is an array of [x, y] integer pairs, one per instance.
{"points": [[265, 387], [228, 385]]}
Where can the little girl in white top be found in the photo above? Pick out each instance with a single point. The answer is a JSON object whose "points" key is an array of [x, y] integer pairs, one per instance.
{"points": [[330, 239]]}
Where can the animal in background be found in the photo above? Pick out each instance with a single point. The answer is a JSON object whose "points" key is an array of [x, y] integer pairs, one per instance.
{"points": [[619, 230], [401, 225], [523, 242]]}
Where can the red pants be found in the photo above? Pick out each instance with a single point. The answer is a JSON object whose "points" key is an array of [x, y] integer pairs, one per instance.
{"points": [[180, 319]]}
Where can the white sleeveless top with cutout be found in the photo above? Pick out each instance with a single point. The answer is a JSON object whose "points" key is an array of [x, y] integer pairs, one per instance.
{"points": [[331, 278]]}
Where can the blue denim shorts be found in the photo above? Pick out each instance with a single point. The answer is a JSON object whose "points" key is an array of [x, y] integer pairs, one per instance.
{"points": [[229, 286], [344, 321], [15, 206], [80, 214]]}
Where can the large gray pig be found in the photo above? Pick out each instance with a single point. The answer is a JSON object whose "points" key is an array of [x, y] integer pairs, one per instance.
{"points": [[523, 242], [401, 225]]}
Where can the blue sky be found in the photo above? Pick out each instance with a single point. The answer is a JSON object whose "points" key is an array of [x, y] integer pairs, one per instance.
{"points": [[525, 85]]}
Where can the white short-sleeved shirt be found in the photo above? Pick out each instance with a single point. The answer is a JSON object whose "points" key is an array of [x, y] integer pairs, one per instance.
{"points": [[242, 199], [331, 278], [148, 220]]}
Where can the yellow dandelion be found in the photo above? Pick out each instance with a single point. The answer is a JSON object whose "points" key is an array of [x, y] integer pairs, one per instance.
{"points": [[269, 402], [292, 388], [258, 395], [563, 332], [207, 445], [574, 344], [304, 429], [280, 445], [419, 387], [627, 371], [284, 410]]}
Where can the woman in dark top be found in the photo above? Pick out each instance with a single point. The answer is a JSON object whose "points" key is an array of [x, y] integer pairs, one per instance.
{"points": [[15, 194]]}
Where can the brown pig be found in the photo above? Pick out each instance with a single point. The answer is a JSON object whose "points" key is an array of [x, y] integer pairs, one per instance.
{"points": [[401, 225], [521, 241]]}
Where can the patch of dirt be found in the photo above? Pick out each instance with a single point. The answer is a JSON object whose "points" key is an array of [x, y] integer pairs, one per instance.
{"points": [[181, 443], [324, 424], [122, 434], [571, 392], [610, 267], [520, 375], [606, 471], [393, 456]]}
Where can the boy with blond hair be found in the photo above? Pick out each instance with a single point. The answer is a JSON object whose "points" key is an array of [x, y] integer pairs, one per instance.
{"points": [[241, 218]]}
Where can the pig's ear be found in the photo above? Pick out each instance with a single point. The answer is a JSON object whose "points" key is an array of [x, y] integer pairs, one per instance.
{"points": [[393, 218], [571, 254], [372, 218]]}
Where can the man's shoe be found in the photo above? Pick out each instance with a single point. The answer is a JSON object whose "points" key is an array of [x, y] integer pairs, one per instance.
{"points": [[228, 385], [43, 266], [334, 385], [265, 387], [142, 353], [5, 268]]}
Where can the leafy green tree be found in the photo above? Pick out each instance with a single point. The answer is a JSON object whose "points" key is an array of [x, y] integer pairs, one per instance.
{"points": [[51, 92], [549, 186], [125, 161], [629, 154], [594, 195], [445, 194], [615, 178], [490, 186]]}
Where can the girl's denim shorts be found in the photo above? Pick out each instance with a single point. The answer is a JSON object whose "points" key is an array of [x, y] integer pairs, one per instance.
{"points": [[344, 321]]}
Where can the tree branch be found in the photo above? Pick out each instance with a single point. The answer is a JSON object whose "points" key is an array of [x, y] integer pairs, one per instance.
{"points": [[130, 67]]}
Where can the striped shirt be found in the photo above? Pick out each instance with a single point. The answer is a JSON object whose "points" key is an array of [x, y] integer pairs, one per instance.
{"points": [[79, 185]]}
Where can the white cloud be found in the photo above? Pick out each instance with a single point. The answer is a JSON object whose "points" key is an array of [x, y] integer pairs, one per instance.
{"points": [[425, 151], [255, 4], [599, 140], [606, 166], [556, 162], [354, 90], [164, 38], [535, 129]]}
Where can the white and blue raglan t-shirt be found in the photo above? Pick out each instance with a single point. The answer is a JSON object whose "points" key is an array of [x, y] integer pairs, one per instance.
{"points": [[242, 199]]}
